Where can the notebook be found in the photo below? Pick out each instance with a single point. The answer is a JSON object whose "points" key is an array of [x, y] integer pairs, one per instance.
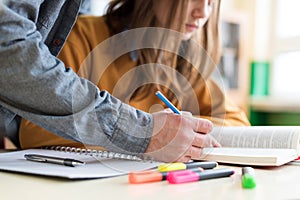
{"points": [[99, 164]]}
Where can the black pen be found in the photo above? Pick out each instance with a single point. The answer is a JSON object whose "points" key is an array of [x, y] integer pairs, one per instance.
{"points": [[55, 160]]}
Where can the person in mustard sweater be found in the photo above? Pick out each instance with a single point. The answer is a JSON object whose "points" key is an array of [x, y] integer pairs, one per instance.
{"points": [[140, 47]]}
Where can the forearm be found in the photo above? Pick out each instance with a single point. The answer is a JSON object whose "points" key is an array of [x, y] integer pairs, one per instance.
{"points": [[36, 86]]}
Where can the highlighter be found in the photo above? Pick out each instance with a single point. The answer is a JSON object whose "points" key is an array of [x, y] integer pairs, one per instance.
{"points": [[146, 176], [186, 176], [182, 166], [248, 178], [151, 176]]}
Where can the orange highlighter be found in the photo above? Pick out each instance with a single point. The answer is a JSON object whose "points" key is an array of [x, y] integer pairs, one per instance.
{"points": [[151, 176]]}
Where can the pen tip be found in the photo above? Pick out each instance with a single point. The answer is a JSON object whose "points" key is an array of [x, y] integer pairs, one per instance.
{"points": [[78, 163]]}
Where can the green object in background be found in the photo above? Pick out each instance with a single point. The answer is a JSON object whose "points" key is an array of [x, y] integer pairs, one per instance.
{"points": [[261, 118], [260, 73]]}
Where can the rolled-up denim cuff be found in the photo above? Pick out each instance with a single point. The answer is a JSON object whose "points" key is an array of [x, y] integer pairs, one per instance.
{"points": [[133, 130]]}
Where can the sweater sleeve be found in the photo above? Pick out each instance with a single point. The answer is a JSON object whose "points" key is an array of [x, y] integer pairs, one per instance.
{"points": [[217, 107]]}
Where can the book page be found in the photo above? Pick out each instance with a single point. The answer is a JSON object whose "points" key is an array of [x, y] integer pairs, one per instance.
{"points": [[285, 137], [250, 156]]}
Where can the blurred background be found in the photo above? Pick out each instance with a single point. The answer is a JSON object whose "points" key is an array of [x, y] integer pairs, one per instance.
{"points": [[260, 63], [268, 58]]}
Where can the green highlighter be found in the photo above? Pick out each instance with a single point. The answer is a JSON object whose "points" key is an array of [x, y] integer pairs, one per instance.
{"points": [[248, 178]]}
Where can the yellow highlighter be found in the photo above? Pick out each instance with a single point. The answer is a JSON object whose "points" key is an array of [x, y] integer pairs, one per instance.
{"points": [[167, 167]]}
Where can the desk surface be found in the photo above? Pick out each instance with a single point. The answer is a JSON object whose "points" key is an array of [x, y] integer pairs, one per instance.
{"points": [[272, 183]]}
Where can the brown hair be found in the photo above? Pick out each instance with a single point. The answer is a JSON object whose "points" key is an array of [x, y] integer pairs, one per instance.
{"points": [[130, 14]]}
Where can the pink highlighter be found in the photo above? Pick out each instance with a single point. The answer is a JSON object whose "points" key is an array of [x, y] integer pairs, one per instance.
{"points": [[186, 176], [151, 176]]}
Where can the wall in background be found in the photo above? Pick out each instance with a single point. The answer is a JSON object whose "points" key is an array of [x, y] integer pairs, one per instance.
{"points": [[279, 105], [98, 6]]}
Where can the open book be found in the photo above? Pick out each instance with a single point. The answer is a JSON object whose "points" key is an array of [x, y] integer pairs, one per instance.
{"points": [[96, 165], [256, 145]]}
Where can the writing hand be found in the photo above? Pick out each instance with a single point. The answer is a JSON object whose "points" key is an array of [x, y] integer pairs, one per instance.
{"points": [[178, 137]]}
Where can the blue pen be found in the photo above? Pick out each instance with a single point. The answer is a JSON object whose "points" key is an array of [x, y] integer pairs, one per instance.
{"points": [[167, 102]]}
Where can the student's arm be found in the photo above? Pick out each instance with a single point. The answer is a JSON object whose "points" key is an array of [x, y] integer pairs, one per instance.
{"points": [[38, 87]]}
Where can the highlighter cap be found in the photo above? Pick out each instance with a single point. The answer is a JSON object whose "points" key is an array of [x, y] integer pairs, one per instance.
{"points": [[145, 177], [171, 167], [183, 176]]}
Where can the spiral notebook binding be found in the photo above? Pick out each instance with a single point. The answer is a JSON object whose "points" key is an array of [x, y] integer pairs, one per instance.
{"points": [[98, 153]]}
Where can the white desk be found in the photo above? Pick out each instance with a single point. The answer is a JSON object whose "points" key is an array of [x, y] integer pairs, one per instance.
{"points": [[273, 183]]}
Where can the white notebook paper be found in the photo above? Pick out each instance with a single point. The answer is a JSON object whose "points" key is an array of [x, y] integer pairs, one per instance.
{"points": [[95, 167]]}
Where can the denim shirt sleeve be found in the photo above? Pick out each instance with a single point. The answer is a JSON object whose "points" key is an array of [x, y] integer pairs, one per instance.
{"points": [[37, 86]]}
